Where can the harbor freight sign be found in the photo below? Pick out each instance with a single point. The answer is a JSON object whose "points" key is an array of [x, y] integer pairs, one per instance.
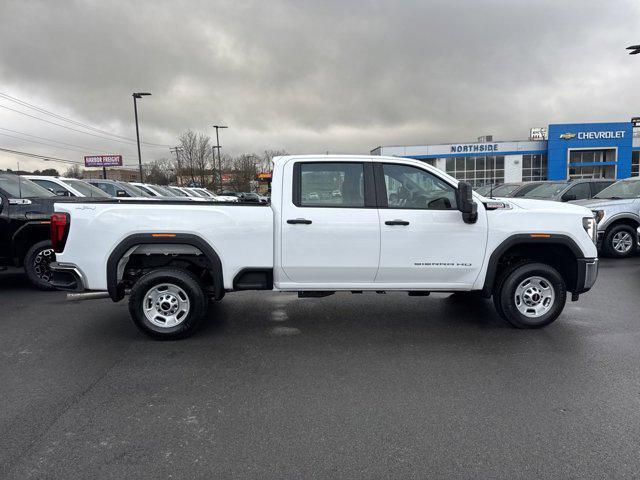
{"points": [[103, 161]]}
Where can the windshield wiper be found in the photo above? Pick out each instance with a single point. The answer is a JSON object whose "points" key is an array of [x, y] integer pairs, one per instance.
{"points": [[608, 198]]}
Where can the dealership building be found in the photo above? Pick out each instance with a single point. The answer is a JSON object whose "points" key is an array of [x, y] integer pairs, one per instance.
{"points": [[561, 152]]}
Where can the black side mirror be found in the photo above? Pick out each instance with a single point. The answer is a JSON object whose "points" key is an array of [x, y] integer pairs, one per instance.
{"points": [[464, 199], [121, 193], [567, 197]]}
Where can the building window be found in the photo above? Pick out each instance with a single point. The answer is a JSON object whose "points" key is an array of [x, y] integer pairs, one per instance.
{"points": [[534, 167], [592, 156], [635, 164], [477, 171]]}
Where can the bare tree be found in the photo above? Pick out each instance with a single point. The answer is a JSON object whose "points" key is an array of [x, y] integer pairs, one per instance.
{"points": [[244, 172], [264, 164], [160, 172], [195, 156], [73, 172]]}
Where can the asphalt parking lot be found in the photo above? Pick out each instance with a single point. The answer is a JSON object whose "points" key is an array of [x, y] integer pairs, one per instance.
{"points": [[349, 386]]}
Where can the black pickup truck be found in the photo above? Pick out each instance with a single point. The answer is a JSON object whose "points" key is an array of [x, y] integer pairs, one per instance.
{"points": [[25, 212]]}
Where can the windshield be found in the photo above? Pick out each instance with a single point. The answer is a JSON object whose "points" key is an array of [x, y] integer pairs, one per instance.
{"points": [[484, 190], [15, 187], [146, 190], [504, 190], [621, 189], [546, 190], [165, 191], [132, 190], [178, 192], [84, 188], [192, 192]]}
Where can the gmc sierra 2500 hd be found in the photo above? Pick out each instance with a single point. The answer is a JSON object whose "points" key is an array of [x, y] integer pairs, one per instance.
{"points": [[335, 223]]}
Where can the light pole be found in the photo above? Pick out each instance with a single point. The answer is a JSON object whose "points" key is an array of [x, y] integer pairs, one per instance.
{"points": [[217, 127], [177, 151], [136, 96]]}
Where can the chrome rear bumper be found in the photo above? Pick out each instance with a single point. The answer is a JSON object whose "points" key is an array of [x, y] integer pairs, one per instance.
{"points": [[67, 276]]}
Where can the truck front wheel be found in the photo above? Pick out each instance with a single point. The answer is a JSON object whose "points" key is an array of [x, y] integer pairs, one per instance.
{"points": [[530, 295], [619, 241], [168, 303]]}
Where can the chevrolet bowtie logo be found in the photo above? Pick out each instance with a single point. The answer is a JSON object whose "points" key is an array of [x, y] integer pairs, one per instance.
{"points": [[567, 136]]}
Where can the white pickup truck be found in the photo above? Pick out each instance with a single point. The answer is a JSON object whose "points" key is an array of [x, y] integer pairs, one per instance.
{"points": [[335, 223]]}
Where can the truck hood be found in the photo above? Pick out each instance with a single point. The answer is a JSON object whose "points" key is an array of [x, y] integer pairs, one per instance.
{"points": [[546, 205], [603, 202]]}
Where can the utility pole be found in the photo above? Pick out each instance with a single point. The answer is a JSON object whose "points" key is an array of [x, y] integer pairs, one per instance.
{"points": [[218, 148], [136, 96], [177, 151]]}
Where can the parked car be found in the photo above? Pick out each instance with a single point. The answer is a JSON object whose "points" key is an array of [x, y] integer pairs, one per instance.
{"points": [[219, 198], [25, 232], [507, 190], [527, 254], [114, 188], [617, 211], [249, 197], [568, 190], [67, 187]]}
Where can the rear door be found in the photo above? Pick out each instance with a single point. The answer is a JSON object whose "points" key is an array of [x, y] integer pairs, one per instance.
{"points": [[424, 241], [330, 231]]}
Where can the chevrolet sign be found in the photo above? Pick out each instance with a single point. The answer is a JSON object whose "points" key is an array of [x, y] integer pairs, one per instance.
{"points": [[593, 135]]}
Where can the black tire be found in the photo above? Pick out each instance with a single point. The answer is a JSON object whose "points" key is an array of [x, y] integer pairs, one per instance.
{"points": [[505, 301], [36, 265], [186, 284], [614, 233]]}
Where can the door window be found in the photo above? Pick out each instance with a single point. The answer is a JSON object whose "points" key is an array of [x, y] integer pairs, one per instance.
{"points": [[581, 191], [331, 185], [52, 187], [412, 187], [106, 187]]}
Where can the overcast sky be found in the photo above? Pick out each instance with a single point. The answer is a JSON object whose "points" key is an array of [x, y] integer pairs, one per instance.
{"points": [[309, 76]]}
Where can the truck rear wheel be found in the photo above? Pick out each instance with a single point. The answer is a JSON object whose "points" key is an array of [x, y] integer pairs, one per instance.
{"points": [[36, 265], [168, 303], [530, 295]]}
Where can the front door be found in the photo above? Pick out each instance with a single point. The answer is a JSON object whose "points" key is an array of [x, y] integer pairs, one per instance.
{"points": [[424, 241], [330, 232]]}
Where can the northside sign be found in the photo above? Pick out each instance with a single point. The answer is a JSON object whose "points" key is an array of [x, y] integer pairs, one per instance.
{"points": [[474, 148], [103, 161]]}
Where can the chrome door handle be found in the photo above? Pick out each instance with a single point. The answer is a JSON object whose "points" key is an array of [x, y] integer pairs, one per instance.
{"points": [[302, 221], [404, 223]]}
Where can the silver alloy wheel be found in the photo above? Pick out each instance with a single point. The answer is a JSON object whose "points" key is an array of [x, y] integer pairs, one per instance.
{"points": [[166, 305], [622, 242], [41, 264], [534, 296]]}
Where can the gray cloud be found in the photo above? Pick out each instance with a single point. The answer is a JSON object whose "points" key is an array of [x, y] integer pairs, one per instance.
{"points": [[311, 76]]}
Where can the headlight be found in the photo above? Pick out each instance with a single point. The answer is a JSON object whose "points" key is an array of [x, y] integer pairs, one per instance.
{"points": [[598, 215], [590, 226]]}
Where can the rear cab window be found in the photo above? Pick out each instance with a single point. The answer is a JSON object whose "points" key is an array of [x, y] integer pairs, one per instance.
{"points": [[333, 184]]}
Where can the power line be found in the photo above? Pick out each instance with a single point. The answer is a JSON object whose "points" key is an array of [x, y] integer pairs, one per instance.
{"points": [[74, 122], [55, 159], [83, 147]]}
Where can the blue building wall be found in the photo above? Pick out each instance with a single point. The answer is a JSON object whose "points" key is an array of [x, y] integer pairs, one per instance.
{"points": [[563, 137]]}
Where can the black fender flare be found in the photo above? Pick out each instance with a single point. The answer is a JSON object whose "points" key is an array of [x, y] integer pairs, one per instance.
{"points": [[116, 292], [522, 239]]}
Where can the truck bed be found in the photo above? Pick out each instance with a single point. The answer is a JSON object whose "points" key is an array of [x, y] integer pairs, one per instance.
{"points": [[241, 232]]}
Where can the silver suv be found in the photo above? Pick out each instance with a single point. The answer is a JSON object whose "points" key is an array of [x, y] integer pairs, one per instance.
{"points": [[617, 211]]}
